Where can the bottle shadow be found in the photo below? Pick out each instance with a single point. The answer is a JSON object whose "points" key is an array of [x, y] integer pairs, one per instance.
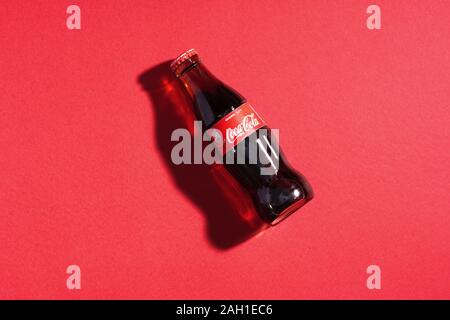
{"points": [[230, 218]]}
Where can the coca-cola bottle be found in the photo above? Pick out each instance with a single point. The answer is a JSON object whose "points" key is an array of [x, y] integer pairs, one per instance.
{"points": [[275, 194]]}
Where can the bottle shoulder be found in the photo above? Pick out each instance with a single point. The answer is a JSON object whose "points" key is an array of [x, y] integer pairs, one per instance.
{"points": [[217, 103]]}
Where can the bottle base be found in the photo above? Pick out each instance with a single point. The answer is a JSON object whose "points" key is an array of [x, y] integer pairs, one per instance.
{"points": [[289, 210]]}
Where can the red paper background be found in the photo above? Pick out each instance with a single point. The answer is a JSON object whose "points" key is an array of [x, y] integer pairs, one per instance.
{"points": [[364, 114]]}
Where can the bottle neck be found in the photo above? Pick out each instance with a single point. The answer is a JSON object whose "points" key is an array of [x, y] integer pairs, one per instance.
{"points": [[196, 78], [212, 99]]}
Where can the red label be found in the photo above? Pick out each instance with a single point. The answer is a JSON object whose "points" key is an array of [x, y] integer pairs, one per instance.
{"points": [[238, 125]]}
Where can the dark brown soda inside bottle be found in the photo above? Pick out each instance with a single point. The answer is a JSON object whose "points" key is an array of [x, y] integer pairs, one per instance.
{"points": [[276, 195]]}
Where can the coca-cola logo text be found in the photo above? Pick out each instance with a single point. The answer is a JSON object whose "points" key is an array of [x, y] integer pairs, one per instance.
{"points": [[226, 137], [210, 147], [247, 124]]}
